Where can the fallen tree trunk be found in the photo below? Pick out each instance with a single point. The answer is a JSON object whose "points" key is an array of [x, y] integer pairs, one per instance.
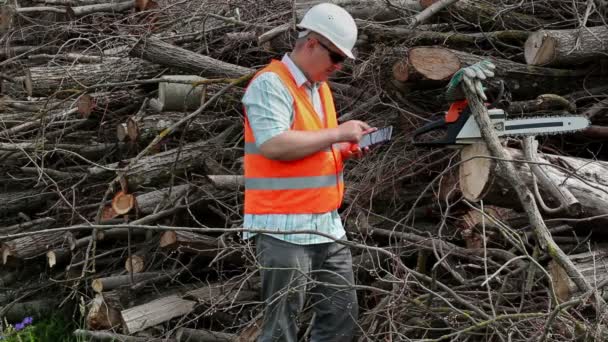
{"points": [[144, 129], [49, 80], [34, 245], [26, 201], [585, 179], [101, 102], [374, 10], [105, 336], [102, 315], [154, 168], [592, 265], [189, 241], [565, 47], [439, 64], [37, 224], [194, 335], [159, 52], [100, 285], [373, 33], [491, 15]]}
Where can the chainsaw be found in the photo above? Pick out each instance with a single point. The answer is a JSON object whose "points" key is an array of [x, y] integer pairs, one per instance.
{"points": [[462, 129]]}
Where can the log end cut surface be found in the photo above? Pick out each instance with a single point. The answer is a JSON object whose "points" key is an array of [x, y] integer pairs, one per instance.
{"points": [[475, 177], [539, 49], [434, 63]]}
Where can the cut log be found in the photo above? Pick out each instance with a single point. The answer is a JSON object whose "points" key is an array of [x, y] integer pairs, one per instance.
{"points": [[543, 103], [373, 10], [26, 201], [590, 190], [145, 128], [591, 264], [159, 52], [524, 81], [102, 316], [189, 241], [193, 335], [101, 102], [180, 96], [122, 203], [109, 283], [33, 225], [34, 245], [147, 203], [105, 336], [374, 33], [474, 222], [564, 47], [475, 171], [426, 63], [136, 263], [489, 16], [119, 234], [44, 81], [99, 8], [219, 294], [155, 168], [158, 311]]}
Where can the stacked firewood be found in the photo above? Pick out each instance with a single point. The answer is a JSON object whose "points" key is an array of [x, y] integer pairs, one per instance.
{"points": [[121, 143]]}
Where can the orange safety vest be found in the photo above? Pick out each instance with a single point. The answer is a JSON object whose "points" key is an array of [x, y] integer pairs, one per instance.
{"points": [[313, 184]]}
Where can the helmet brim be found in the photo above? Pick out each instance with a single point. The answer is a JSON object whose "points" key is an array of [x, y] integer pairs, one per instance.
{"points": [[348, 53]]}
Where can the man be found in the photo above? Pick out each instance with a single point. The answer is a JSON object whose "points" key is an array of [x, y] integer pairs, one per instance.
{"points": [[294, 152]]}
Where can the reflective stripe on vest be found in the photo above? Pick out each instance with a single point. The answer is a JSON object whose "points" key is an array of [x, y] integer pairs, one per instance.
{"points": [[313, 184]]}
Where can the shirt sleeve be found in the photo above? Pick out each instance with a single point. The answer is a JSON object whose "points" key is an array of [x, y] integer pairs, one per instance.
{"points": [[269, 107]]}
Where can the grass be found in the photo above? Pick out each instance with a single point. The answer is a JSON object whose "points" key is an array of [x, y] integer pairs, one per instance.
{"points": [[53, 329]]}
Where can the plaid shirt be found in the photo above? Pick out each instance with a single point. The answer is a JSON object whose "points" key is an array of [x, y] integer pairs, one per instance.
{"points": [[269, 107]]}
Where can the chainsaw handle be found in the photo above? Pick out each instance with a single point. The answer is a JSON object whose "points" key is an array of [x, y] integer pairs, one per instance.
{"points": [[452, 127], [431, 126]]}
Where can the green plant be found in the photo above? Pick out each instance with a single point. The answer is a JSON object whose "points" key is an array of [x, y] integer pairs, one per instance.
{"points": [[52, 329]]}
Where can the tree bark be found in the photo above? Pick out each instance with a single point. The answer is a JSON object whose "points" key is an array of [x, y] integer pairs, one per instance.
{"points": [[373, 10], [193, 335], [524, 81], [159, 52], [100, 285], [184, 240], [102, 315], [592, 265], [37, 224], [155, 168], [49, 80], [158, 311], [587, 183], [33, 245], [144, 129], [490, 15], [105, 336], [26, 201], [566, 47]]}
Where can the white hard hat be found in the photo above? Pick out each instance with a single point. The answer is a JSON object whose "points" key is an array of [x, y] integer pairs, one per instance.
{"points": [[334, 23]]}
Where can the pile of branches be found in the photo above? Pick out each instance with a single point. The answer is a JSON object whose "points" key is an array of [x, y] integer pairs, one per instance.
{"points": [[121, 143]]}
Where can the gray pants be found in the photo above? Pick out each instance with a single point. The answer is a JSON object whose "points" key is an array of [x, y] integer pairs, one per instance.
{"points": [[287, 272]]}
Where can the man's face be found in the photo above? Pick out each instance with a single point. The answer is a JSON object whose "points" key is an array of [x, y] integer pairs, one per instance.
{"points": [[325, 59]]}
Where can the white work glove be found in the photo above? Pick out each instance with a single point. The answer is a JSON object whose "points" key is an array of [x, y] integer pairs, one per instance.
{"points": [[471, 78]]}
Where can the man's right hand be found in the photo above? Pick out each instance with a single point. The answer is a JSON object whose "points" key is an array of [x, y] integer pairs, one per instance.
{"points": [[352, 131]]}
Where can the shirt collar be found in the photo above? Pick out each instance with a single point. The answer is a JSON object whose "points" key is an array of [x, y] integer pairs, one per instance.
{"points": [[297, 74]]}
